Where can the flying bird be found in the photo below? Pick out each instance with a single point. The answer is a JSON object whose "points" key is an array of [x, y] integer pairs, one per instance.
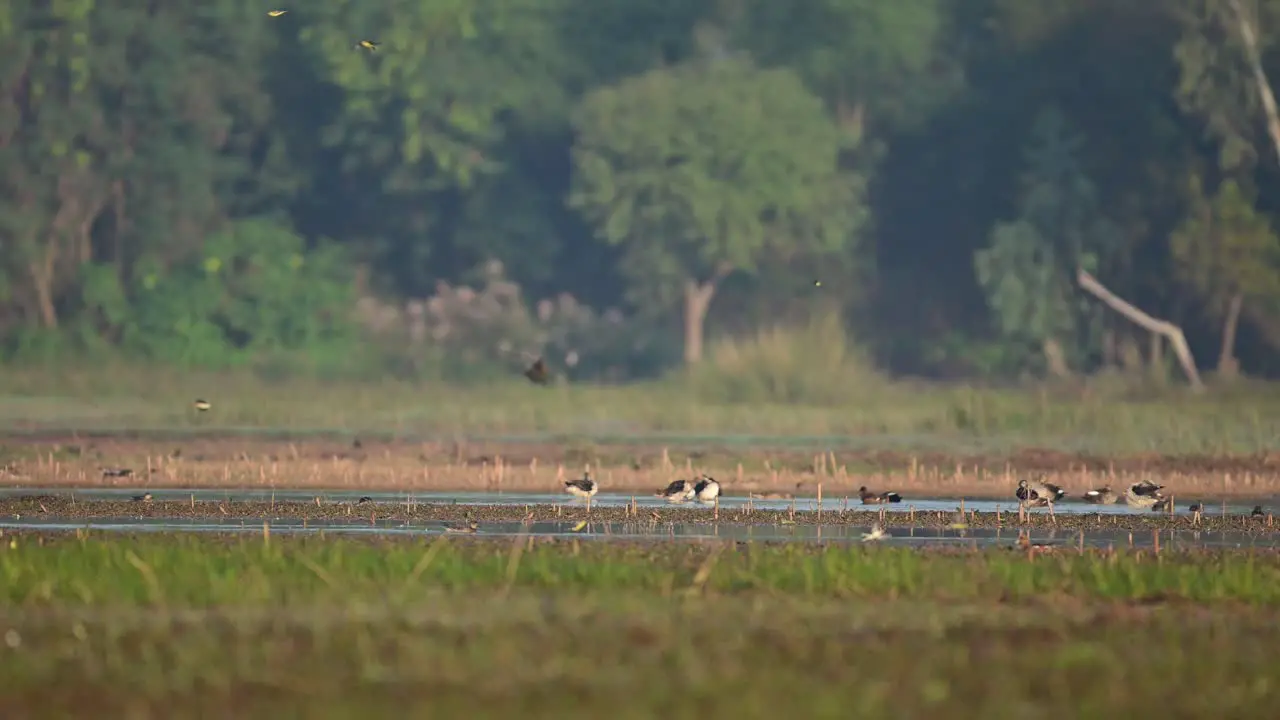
{"points": [[368, 45], [537, 372], [276, 13], [202, 405]]}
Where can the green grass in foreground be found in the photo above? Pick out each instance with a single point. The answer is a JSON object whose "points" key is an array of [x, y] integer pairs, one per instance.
{"points": [[882, 414], [183, 627]]}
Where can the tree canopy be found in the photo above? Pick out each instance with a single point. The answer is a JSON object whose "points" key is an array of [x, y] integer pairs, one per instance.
{"points": [[202, 183]]}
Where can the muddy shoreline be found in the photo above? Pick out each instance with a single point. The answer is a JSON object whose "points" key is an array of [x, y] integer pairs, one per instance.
{"points": [[65, 509]]}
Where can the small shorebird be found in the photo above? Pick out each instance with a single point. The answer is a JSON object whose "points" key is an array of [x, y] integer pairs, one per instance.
{"points": [[1101, 496], [584, 487], [144, 497], [1024, 543], [677, 492], [470, 527], [877, 533], [116, 472], [1037, 493], [707, 489], [870, 498], [1257, 511]]}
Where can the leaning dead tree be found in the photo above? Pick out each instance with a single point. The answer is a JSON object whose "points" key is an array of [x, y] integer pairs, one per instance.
{"points": [[1152, 325], [1249, 34]]}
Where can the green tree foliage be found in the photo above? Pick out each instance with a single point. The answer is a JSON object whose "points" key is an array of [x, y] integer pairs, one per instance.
{"points": [[1229, 254], [1028, 270], [1216, 83], [867, 59], [698, 169], [638, 154], [125, 135]]}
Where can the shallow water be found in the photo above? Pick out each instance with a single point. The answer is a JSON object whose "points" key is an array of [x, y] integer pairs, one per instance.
{"points": [[802, 504], [661, 531]]}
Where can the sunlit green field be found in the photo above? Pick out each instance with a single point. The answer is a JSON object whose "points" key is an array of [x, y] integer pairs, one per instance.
{"points": [[882, 414], [181, 626]]}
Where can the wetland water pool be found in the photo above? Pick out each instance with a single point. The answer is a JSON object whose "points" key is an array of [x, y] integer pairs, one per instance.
{"points": [[672, 525], [603, 500], [980, 537]]}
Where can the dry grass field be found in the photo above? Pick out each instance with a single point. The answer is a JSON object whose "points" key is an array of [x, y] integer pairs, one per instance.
{"points": [[210, 462]]}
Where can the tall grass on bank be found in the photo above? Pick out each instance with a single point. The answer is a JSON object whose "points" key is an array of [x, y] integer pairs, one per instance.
{"points": [[814, 366], [198, 571], [762, 390]]}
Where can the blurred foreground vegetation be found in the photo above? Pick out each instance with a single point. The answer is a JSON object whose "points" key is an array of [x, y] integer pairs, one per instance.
{"points": [[183, 627]]}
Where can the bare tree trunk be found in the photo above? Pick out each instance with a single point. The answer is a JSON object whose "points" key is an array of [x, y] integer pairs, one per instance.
{"points": [[1249, 34], [1167, 329], [1055, 359], [697, 300], [1228, 366], [42, 285]]}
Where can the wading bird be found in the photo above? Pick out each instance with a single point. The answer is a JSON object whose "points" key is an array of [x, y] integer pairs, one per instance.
{"points": [[677, 492], [1101, 496], [1037, 493], [877, 533], [870, 498], [707, 489]]}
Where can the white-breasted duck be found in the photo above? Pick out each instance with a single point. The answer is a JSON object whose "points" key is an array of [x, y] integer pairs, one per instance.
{"points": [[677, 492], [707, 489]]}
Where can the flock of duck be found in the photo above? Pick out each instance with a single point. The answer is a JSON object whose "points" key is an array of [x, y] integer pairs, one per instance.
{"points": [[1144, 494]]}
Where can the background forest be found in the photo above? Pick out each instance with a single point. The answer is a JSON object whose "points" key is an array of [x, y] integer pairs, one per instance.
{"points": [[771, 196]]}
